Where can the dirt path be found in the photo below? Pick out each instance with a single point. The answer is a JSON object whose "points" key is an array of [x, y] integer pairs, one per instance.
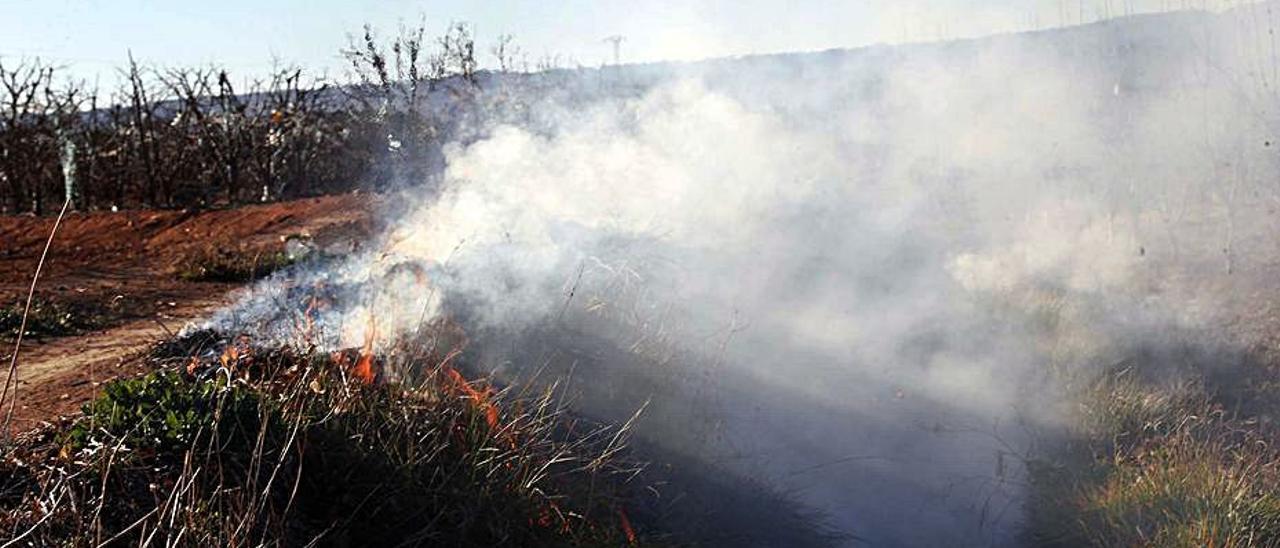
{"points": [[56, 377], [120, 268]]}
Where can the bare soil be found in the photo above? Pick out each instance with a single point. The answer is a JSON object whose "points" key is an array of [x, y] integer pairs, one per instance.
{"points": [[122, 266]]}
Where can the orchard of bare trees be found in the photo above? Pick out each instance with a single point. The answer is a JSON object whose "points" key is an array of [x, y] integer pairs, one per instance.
{"points": [[199, 137]]}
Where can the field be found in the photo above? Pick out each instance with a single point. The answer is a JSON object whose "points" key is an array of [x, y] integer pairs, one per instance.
{"points": [[1015, 290]]}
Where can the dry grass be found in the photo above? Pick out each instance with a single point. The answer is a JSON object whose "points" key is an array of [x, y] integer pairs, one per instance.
{"points": [[50, 318], [231, 265], [1159, 466], [283, 447]]}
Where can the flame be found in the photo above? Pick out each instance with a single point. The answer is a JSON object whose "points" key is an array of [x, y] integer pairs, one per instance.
{"points": [[364, 367], [236, 358], [235, 351], [455, 382], [229, 356], [361, 364], [626, 527], [550, 514], [316, 301], [479, 398]]}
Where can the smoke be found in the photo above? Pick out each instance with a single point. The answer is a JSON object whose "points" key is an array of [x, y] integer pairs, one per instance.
{"points": [[859, 276]]}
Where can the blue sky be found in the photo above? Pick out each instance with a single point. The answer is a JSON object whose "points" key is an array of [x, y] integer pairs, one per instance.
{"points": [[93, 36]]}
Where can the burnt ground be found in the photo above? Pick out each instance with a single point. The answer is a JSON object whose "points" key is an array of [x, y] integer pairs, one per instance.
{"points": [[120, 272]]}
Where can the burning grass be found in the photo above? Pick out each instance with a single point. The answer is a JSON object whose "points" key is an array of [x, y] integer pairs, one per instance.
{"points": [[251, 446], [237, 440], [1159, 466]]}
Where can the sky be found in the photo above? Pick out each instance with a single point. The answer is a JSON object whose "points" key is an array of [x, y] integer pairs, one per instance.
{"points": [[93, 37]]}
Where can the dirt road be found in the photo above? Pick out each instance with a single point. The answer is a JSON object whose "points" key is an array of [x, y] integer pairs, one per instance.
{"points": [[121, 268], [56, 376]]}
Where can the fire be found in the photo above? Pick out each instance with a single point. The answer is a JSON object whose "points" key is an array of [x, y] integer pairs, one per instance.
{"points": [[550, 515], [478, 397], [626, 527], [364, 367], [361, 364], [229, 356], [237, 350], [307, 322], [454, 381]]}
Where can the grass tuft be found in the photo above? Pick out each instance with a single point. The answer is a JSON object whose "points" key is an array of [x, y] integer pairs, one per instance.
{"points": [[1158, 466]]}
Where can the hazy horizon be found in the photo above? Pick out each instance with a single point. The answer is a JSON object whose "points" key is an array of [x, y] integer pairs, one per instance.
{"points": [[91, 40]]}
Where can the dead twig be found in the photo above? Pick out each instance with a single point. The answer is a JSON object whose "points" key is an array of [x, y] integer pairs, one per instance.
{"points": [[22, 328]]}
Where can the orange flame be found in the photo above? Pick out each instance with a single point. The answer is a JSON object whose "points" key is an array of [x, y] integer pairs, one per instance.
{"points": [[229, 355], [238, 353], [626, 527], [237, 349], [550, 514], [364, 368], [481, 399]]}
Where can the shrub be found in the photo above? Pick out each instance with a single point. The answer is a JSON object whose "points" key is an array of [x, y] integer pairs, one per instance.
{"points": [[231, 266], [48, 319], [164, 413]]}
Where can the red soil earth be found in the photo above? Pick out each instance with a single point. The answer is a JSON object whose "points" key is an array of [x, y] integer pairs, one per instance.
{"points": [[124, 268]]}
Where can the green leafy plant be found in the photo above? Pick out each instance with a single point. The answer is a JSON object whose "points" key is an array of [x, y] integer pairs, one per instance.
{"points": [[163, 412]]}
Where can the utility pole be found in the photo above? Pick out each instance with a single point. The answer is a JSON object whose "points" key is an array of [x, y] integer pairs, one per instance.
{"points": [[616, 40]]}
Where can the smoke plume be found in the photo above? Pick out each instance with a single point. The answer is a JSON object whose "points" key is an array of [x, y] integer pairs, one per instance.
{"points": [[860, 276]]}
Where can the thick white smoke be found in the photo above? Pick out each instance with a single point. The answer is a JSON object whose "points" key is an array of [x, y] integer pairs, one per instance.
{"points": [[877, 265]]}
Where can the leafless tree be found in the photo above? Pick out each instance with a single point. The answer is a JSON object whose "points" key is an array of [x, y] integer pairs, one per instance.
{"points": [[193, 137], [21, 115]]}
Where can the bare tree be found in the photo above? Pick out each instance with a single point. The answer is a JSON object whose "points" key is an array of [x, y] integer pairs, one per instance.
{"points": [[143, 115], [21, 112], [507, 54], [183, 137]]}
